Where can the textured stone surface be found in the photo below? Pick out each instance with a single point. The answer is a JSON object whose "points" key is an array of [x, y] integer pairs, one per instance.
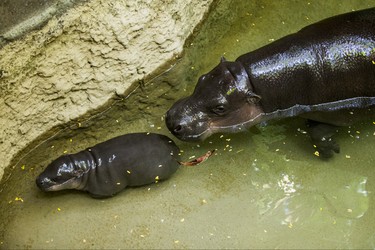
{"points": [[80, 60]]}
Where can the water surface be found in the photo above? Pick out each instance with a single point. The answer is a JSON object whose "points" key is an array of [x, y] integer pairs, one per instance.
{"points": [[262, 189]]}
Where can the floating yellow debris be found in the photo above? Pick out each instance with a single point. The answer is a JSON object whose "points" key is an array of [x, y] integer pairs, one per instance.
{"points": [[58, 209], [347, 156], [230, 91], [18, 199], [316, 153], [23, 167]]}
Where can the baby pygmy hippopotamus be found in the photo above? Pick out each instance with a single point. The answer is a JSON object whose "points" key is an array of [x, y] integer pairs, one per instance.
{"points": [[108, 167]]}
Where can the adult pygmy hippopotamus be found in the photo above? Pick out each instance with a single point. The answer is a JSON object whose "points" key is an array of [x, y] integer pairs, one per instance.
{"points": [[325, 73], [108, 167]]}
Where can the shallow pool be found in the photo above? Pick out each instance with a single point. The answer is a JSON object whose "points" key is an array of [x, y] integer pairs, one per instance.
{"points": [[262, 189]]}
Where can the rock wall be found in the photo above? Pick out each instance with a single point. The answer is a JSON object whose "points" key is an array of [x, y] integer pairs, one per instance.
{"points": [[77, 62]]}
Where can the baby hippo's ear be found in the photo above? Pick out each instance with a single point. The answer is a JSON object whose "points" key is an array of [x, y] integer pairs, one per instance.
{"points": [[252, 97]]}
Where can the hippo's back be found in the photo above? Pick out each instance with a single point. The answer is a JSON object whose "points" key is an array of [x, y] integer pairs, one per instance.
{"points": [[326, 62]]}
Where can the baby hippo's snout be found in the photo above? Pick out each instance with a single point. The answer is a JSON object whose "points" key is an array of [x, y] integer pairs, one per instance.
{"points": [[41, 183]]}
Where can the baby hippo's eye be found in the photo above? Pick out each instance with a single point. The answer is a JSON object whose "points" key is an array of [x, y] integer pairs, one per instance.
{"points": [[219, 110]]}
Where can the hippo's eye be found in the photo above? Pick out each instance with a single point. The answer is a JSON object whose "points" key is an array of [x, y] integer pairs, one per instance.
{"points": [[219, 110]]}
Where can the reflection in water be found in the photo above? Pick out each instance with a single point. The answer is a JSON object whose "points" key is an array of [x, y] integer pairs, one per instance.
{"points": [[296, 205], [350, 201], [286, 184]]}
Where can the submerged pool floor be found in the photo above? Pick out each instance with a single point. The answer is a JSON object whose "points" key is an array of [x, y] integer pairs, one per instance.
{"points": [[261, 189]]}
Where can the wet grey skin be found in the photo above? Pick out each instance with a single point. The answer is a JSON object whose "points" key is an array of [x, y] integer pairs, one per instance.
{"points": [[109, 167], [325, 72]]}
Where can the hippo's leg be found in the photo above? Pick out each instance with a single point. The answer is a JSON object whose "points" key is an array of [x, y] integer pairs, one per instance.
{"points": [[322, 127], [321, 135]]}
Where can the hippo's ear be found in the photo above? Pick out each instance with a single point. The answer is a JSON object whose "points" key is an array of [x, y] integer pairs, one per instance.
{"points": [[223, 59], [252, 97]]}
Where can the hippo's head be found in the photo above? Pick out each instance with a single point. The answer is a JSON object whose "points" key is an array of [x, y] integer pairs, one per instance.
{"points": [[61, 174], [223, 101]]}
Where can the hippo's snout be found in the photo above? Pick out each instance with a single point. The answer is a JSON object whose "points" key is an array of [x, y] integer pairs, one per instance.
{"points": [[44, 183], [174, 121], [186, 123], [40, 183]]}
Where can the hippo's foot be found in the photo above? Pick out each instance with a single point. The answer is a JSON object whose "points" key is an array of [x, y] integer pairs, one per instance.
{"points": [[322, 137]]}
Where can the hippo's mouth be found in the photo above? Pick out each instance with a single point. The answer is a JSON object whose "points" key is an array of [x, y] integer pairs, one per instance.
{"points": [[48, 184], [211, 129], [221, 126], [194, 137]]}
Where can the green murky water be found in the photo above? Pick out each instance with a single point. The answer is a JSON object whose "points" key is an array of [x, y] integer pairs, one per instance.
{"points": [[260, 190]]}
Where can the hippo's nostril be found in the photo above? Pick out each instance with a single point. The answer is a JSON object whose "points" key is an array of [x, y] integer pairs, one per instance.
{"points": [[177, 129], [39, 182]]}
